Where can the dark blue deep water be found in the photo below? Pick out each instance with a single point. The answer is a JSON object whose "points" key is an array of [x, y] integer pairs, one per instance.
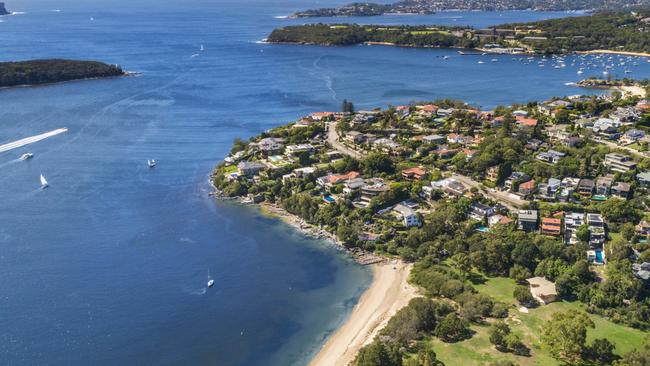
{"points": [[108, 266]]}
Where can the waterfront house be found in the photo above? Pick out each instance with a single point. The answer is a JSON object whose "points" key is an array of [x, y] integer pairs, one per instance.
{"points": [[333, 179], [271, 145], [551, 226], [322, 116], [527, 220], [586, 187], [408, 215], [619, 162], [542, 290], [250, 168], [621, 190]]}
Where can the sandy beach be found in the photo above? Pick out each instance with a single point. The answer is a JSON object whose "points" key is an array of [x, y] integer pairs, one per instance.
{"points": [[632, 91], [625, 53], [389, 292]]}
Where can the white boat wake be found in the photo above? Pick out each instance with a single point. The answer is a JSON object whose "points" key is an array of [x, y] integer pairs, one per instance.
{"points": [[30, 140]]}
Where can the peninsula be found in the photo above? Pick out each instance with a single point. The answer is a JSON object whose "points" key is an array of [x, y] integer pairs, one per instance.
{"points": [[623, 32], [515, 226], [432, 6], [38, 72], [3, 10]]}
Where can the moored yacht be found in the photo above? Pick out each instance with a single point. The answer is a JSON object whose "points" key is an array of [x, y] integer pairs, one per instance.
{"points": [[26, 156]]}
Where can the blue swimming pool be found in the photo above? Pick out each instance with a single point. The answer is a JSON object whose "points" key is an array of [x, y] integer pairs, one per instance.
{"points": [[599, 256], [329, 199]]}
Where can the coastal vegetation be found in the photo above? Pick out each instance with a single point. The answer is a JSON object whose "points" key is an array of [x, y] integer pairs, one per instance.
{"points": [[614, 31], [431, 6], [53, 71], [487, 205]]}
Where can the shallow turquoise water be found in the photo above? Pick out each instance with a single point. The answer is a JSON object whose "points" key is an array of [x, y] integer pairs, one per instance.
{"points": [[109, 264]]}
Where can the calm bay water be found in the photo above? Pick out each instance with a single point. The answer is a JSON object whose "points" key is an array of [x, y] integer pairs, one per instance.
{"points": [[109, 264]]}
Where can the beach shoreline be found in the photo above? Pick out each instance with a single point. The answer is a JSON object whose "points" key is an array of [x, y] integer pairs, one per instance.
{"points": [[612, 52], [388, 293]]}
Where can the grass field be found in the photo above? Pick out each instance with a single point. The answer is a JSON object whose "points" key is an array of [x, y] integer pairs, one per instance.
{"points": [[479, 351]]}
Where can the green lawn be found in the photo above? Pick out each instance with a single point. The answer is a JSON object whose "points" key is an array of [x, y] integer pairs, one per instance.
{"points": [[479, 351]]}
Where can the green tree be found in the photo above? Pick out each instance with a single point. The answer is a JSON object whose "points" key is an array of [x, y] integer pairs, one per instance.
{"points": [[376, 163], [566, 334], [452, 328], [377, 354], [523, 295]]}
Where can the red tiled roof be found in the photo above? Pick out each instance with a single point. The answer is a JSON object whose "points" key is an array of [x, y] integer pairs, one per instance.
{"points": [[527, 185], [528, 122]]}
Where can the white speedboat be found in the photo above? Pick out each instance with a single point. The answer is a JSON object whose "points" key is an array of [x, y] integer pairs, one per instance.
{"points": [[44, 183], [151, 163], [210, 283], [202, 48], [26, 156]]}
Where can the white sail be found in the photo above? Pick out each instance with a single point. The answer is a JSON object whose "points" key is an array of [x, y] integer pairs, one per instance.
{"points": [[43, 181]]}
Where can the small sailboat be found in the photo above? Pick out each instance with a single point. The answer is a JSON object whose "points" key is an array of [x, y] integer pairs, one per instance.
{"points": [[481, 62], [202, 48], [151, 163], [26, 156], [44, 183], [210, 280]]}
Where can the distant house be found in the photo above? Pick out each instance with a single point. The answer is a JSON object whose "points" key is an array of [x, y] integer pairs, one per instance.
{"points": [[320, 116], [434, 139], [542, 290], [632, 136], [548, 191], [416, 173], [551, 226], [527, 220], [619, 162], [409, 216], [586, 187], [355, 137], [333, 179], [515, 179], [250, 168], [271, 145], [642, 270], [527, 188], [572, 222], [621, 190], [551, 156], [499, 219], [492, 173], [643, 179], [526, 122], [479, 211], [642, 230], [604, 185]]}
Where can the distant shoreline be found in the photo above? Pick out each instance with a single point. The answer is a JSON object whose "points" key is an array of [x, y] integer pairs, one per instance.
{"points": [[21, 86], [625, 53]]}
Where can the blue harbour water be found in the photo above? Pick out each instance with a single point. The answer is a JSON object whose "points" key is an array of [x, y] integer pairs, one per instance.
{"points": [[109, 265]]}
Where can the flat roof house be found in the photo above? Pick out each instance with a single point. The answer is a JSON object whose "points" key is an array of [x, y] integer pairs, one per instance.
{"points": [[644, 179], [250, 168], [619, 162], [527, 220]]}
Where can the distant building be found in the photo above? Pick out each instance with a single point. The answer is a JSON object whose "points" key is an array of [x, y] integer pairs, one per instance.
{"points": [[409, 216], [250, 168], [621, 190], [527, 220], [542, 290], [551, 226], [586, 187], [416, 173], [619, 162]]}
